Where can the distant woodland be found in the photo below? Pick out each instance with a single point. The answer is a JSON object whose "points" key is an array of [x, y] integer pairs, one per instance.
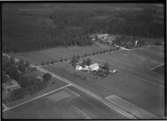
{"points": [[26, 29]]}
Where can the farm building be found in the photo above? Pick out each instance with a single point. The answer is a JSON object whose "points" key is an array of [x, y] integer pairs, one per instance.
{"points": [[92, 67], [83, 68]]}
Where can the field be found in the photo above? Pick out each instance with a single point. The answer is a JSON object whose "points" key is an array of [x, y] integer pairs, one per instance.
{"points": [[134, 81], [53, 85], [37, 57], [141, 60], [68, 103], [48, 33]]}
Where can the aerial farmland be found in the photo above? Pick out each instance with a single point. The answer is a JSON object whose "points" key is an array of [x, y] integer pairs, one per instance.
{"points": [[83, 61]]}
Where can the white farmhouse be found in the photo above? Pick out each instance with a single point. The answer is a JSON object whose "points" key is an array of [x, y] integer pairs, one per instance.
{"points": [[94, 67], [78, 67]]}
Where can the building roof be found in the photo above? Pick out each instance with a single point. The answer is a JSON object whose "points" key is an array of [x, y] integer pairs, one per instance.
{"points": [[94, 67]]}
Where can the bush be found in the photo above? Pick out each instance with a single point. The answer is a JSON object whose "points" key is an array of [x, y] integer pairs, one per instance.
{"points": [[47, 77], [74, 60]]}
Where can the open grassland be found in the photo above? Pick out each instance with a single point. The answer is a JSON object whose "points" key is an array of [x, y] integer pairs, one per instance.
{"points": [[135, 81], [154, 53], [138, 61], [69, 103], [57, 53]]}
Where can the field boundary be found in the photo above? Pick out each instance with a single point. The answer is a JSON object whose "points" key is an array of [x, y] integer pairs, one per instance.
{"points": [[157, 66], [35, 98], [130, 107]]}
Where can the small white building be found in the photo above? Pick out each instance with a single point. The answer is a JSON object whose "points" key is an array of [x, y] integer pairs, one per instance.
{"points": [[92, 67], [78, 67], [114, 71], [136, 42]]}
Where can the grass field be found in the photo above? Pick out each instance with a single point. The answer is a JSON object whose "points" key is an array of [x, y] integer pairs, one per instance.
{"points": [[134, 81], [68, 103], [37, 57]]}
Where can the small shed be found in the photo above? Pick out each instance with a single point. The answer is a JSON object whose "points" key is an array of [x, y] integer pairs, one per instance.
{"points": [[78, 67]]}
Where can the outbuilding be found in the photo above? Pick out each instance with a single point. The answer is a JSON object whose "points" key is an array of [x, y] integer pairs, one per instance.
{"points": [[94, 67]]}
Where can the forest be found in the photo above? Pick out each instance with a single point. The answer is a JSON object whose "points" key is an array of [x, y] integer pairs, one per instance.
{"points": [[36, 30]]}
